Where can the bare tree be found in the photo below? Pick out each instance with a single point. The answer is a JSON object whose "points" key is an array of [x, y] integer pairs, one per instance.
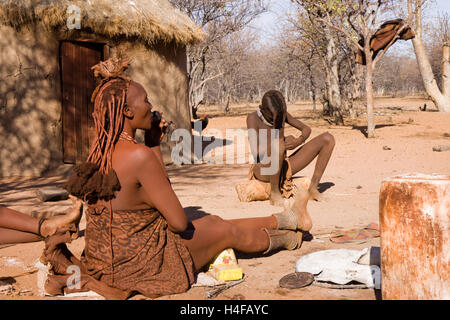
{"points": [[436, 32], [233, 57], [440, 97], [299, 62], [350, 76], [219, 19], [359, 19], [397, 75], [296, 49], [323, 40]]}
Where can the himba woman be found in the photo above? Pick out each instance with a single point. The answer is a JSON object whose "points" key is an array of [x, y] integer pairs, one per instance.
{"points": [[272, 114], [138, 238]]}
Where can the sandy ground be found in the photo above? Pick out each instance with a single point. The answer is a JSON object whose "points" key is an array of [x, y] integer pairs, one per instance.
{"points": [[350, 186]]}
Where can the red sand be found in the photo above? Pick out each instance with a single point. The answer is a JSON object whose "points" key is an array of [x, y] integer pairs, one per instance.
{"points": [[354, 176]]}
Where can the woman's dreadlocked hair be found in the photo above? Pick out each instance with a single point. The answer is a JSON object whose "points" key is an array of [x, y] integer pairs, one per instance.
{"points": [[95, 179]]}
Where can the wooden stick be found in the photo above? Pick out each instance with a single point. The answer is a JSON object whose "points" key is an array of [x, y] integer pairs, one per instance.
{"points": [[211, 293]]}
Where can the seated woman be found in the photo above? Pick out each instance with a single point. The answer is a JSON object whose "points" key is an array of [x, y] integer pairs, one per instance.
{"points": [[138, 238], [272, 114], [18, 227]]}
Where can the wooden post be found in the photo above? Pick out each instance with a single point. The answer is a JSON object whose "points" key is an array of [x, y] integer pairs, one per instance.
{"points": [[415, 244]]}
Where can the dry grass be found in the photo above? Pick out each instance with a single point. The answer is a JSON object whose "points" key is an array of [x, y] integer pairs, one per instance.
{"points": [[147, 20]]}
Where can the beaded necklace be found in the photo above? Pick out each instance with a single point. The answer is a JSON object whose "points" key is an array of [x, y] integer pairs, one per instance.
{"points": [[125, 136], [261, 116]]}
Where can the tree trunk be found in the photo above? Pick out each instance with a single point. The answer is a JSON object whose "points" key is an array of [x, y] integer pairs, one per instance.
{"points": [[286, 90], [355, 88], [314, 100], [440, 99], [334, 92], [313, 87], [335, 89], [227, 103], [329, 95], [446, 69], [369, 91]]}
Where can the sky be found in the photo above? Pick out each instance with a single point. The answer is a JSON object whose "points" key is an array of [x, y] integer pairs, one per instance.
{"points": [[267, 24]]}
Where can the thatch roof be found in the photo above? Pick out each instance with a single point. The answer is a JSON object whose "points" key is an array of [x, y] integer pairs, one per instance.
{"points": [[147, 20]]}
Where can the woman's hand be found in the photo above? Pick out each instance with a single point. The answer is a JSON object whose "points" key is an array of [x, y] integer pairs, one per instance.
{"points": [[163, 125], [291, 142], [155, 135]]}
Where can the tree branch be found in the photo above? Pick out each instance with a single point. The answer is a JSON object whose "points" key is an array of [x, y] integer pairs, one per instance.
{"points": [[206, 80], [356, 44]]}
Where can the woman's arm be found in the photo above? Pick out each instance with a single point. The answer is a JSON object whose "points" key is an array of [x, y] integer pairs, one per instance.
{"points": [[253, 137], [154, 136], [157, 151], [306, 131], [158, 191]]}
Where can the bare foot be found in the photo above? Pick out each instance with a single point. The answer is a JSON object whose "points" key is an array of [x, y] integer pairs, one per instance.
{"points": [[299, 204], [276, 199], [315, 194], [50, 226]]}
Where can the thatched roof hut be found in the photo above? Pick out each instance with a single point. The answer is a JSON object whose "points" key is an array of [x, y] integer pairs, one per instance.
{"points": [[47, 49], [148, 20]]}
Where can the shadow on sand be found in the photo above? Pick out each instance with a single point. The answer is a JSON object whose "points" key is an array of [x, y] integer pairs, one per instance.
{"points": [[363, 129]]}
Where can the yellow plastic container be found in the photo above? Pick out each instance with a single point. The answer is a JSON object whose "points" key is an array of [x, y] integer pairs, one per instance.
{"points": [[226, 257], [225, 266], [227, 273]]}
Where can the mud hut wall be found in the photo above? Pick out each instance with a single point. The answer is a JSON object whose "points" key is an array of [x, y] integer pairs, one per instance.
{"points": [[161, 69], [30, 102], [30, 94]]}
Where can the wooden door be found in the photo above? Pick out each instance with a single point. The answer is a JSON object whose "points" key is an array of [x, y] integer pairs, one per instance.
{"points": [[78, 83]]}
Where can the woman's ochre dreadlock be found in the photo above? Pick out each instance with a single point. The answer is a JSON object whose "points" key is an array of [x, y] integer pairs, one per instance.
{"points": [[95, 179]]}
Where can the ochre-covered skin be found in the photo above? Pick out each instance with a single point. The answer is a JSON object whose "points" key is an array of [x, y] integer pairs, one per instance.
{"points": [[415, 244]]}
